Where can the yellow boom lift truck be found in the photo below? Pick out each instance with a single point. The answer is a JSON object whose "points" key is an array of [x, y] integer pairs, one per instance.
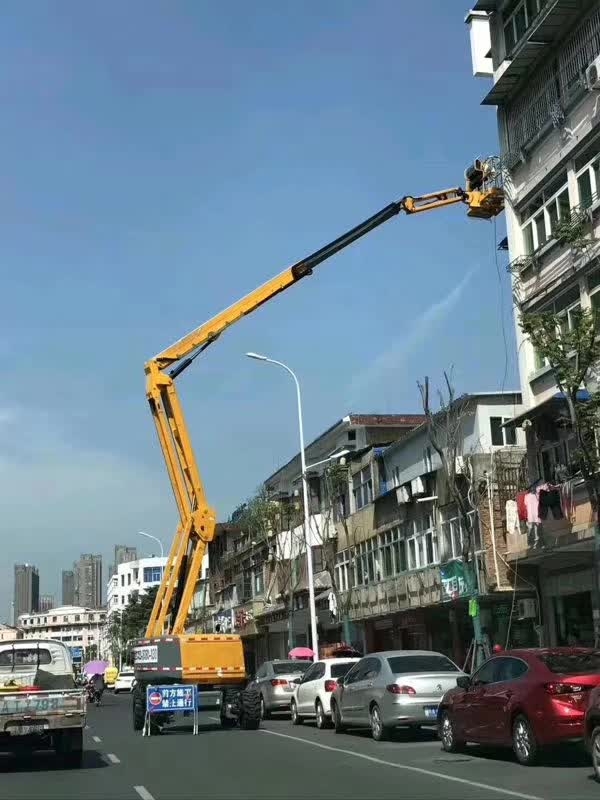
{"points": [[215, 662]]}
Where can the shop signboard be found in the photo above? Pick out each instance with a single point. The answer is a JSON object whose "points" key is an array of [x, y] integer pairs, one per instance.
{"points": [[454, 582], [77, 654], [223, 621]]}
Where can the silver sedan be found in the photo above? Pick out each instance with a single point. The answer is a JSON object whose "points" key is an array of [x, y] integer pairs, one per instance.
{"points": [[392, 689], [275, 682]]}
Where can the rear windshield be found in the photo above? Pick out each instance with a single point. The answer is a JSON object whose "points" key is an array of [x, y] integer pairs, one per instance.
{"points": [[25, 657], [572, 663], [339, 670], [285, 667], [400, 664]]}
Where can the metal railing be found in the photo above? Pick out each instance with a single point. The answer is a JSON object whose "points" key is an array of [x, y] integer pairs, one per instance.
{"points": [[556, 86]]}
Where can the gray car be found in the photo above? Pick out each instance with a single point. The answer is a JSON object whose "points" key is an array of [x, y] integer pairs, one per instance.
{"points": [[392, 689], [274, 680]]}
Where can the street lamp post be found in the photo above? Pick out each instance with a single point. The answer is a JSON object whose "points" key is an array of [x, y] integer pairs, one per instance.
{"points": [[309, 559], [156, 539]]}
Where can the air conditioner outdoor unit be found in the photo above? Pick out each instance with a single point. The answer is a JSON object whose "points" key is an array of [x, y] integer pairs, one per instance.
{"points": [[527, 608], [592, 75]]}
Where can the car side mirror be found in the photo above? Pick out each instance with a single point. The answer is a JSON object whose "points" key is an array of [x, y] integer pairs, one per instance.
{"points": [[296, 681], [463, 682], [340, 681]]}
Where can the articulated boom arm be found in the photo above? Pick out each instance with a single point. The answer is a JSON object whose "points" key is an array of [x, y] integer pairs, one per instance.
{"points": [[197, 519]]}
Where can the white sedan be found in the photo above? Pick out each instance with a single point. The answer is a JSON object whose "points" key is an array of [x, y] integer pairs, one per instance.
{"points": [[125, 681], [312, 692]]}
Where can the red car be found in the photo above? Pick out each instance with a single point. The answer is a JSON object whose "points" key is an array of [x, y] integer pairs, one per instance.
{"points": [[524, 699]]}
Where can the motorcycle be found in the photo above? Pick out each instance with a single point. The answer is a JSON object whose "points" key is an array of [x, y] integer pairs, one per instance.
{"points": [[94, 696]]}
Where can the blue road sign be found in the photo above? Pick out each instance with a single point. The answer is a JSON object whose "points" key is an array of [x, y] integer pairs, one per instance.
{"points": [[76, 653], [171, 698]]}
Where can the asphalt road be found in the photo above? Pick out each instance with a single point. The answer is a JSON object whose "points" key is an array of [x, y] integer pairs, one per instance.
{"points": [[284, 761]]}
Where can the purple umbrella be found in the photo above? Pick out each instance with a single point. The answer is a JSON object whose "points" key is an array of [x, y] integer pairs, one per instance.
{"points": [[95, 667]]}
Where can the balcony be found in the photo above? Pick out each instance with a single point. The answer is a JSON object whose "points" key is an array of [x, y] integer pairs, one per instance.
{"points": [[558, 537], [546, 28], [550, 93]]}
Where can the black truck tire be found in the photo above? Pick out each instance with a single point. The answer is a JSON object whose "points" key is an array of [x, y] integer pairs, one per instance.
{"points": [[69, 747], [230, 697], [250, 710], [139, 709]]}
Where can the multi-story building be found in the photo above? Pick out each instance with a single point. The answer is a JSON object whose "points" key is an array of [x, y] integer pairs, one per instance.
{"points": [[88, 580], [46, 602], [133, 576], [145, 573], [9, 632], [123, 553], [544, 60], [26, 589], [76, 626], [259, 586], [386, 540], [68, 587], [399, 569]]}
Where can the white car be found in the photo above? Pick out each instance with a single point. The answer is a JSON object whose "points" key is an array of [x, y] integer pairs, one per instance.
{"points": [[312, 692], [125, 681]]}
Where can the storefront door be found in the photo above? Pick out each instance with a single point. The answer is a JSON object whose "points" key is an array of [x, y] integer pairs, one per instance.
{"points": [[573, 619]]}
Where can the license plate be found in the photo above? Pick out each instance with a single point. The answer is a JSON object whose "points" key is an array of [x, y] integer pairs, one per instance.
{"points": [[26, 730], [430, 711]]}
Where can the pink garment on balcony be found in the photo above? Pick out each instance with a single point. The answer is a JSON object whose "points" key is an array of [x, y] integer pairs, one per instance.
{"points": [[532, 504]]}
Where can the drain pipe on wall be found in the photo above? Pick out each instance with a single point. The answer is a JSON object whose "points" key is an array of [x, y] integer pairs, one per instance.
{"points": [[490, 482]]}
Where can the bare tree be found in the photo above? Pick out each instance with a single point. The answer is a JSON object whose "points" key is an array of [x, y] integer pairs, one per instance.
{"points": [[335, 484], [445, 432], [275, 525]]}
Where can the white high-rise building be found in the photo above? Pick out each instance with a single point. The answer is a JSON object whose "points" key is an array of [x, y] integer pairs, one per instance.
{"points": [[133, 576], [543, 61]]}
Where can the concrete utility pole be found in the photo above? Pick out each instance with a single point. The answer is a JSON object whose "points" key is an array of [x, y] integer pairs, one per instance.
{"points": [[307, 531]]}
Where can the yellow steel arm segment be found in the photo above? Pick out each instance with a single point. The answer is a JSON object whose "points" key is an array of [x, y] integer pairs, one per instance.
{"points": [[197, 520]]}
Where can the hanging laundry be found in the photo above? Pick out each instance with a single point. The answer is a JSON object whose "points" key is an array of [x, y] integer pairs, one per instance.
{"points": [[549, 500], [521, 507], [532, 505], [534, 534], [333, 606], [512, 517], [566, 499], [402, 495]]}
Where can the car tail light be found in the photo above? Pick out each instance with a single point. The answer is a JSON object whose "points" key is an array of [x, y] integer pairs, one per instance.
{"points": [[279, 682], [393, 688], [330, 685], [564, 688]]}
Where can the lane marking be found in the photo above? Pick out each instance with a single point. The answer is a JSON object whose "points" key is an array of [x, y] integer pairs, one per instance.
{"points": [[143, 793], [216, 719], [113, 759], [407, 768], [96, 739]]}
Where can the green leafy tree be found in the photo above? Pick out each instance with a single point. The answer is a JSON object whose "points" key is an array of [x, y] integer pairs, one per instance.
{"points": [[574, 355]]}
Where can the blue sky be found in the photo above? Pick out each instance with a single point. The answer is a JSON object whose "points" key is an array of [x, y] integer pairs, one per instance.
{"points": [[161, 159]]}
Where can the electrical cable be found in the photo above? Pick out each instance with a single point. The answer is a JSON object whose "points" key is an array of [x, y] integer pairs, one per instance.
{"points": [[502, 320]]}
